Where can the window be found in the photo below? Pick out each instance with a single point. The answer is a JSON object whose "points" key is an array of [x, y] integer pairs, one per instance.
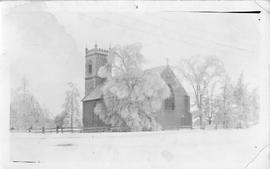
{"points": [[170, 102], [187, 104], [90, 68]]}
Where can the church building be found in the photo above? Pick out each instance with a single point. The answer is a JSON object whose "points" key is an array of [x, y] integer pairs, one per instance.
{"points": [[175, 110]]}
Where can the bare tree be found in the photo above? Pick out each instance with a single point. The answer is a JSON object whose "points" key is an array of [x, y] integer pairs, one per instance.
{"points": [[237, 106], [224, 103], [209, 102], [132, 96], [59, 119], [25, 110], [253, 102], [246, 104], [71, 115], [201, 73]]}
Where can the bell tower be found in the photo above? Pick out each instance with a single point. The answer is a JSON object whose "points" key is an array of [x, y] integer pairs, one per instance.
{"points": [[94, 59]]}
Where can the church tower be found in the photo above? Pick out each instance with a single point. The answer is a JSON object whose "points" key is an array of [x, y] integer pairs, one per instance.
{"points": [[94, 59]]}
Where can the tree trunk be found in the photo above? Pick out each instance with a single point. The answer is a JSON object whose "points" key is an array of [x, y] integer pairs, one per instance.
{"points": [[200, 112], [224, 123], [201, 121], [72, 113]]}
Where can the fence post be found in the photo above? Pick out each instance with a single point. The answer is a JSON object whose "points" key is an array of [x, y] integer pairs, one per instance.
{"points": [[57, 128], [43, 130]]}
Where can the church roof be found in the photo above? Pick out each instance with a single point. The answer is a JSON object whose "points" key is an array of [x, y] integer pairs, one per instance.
{"points": [[158, 69], [95, 94]]}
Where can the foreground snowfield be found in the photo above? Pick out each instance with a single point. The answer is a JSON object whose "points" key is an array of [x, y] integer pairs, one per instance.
{"points": [[185, 149]]}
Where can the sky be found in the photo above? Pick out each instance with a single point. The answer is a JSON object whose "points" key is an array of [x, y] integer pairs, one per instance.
{"points": [[46, 42]]}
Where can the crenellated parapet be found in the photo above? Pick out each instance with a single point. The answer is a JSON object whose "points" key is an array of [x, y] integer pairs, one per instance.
{"points": [[96, 51]]}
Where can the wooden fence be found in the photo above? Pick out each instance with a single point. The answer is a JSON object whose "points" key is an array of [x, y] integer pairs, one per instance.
{"points": [[88, 129], [77, 129]]}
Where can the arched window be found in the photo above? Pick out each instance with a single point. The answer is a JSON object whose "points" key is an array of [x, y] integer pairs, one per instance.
{"points": [[169, 103], [90, 68]]}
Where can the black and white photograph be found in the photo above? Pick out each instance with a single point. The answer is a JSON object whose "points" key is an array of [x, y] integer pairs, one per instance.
{"points": [[129, 85]]}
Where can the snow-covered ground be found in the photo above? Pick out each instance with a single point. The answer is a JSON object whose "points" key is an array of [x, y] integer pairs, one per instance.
{"points": [[185, 149]]}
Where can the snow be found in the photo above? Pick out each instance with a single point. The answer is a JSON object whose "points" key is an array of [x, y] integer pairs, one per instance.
{"points": [[187, 149]]}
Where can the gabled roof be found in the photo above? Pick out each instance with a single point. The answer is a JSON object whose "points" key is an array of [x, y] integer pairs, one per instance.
{"points": [[158, 69], [97, 92], [168, 69]]}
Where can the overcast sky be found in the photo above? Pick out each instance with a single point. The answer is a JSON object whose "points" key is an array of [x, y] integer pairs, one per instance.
{"points": [[46, 44]]}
